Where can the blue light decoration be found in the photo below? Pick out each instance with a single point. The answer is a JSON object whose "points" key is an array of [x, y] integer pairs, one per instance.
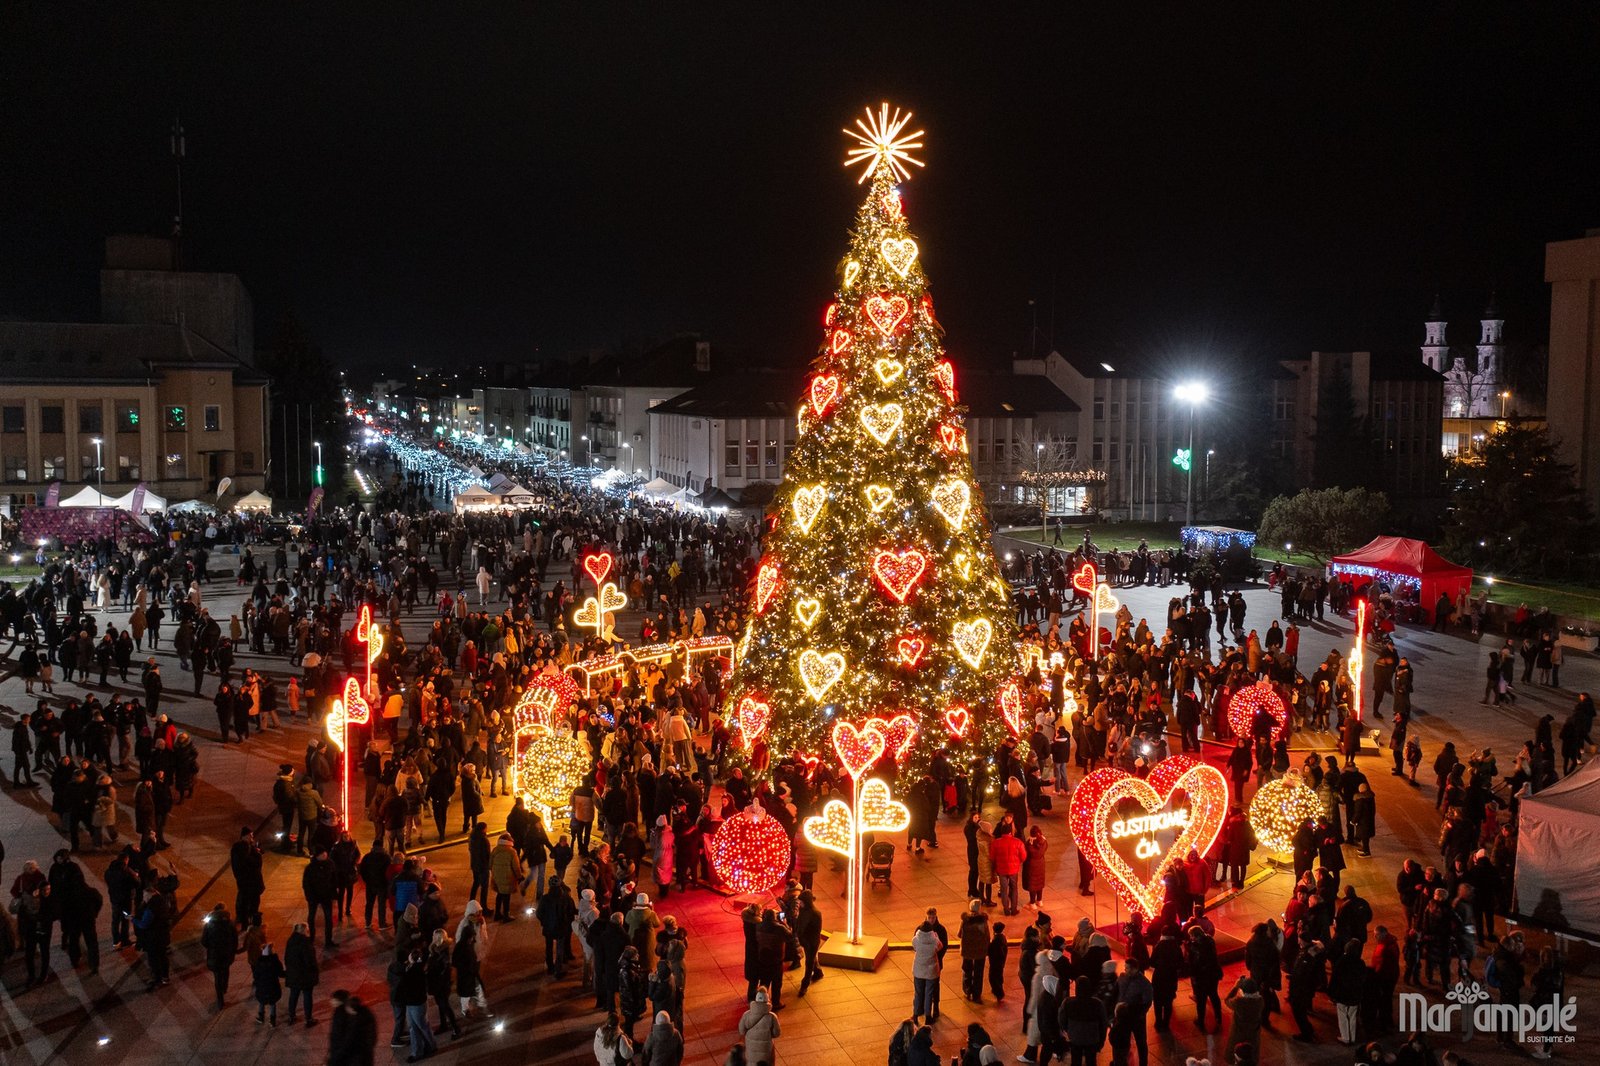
{"points": [[1215, 538]]}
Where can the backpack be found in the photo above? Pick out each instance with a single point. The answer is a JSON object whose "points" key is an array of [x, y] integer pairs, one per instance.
{"points": [[1491, 974]]}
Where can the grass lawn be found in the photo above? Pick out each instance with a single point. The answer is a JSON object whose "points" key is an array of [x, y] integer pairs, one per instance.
{"points": [[1575, 600], [1111, 536]]}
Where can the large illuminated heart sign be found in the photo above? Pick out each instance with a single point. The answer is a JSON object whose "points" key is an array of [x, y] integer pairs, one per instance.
{"points": [[1246, 703], [1155, 820]]}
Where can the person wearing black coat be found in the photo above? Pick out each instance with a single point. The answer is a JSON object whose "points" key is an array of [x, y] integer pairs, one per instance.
{"points": [[610, 940], [555, 913], [220, 939], [320, 884], [480, 856], [249, 883], [374, 871], [807, 925], [266, 974], [353, 1035], [441, 959], [300, 970]]}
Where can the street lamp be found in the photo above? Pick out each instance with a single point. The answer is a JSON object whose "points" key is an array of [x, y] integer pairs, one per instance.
{"points": [[317, 444], [1206, 486], [628, 446], [99, 466], [1193, 393], [1504, 396], [585, 439]]}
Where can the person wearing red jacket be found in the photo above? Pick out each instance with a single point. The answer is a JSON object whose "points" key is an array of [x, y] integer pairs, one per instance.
{"points": [[1007, 853], [1386, 971]]}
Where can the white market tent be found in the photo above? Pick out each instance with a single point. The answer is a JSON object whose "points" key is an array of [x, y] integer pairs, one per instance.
{"points": [[514, 495], [153, 504], [1557, 829], [475, 500], [192, 507], [255, 501], [659, 487], [89, 496], [499, 482]]}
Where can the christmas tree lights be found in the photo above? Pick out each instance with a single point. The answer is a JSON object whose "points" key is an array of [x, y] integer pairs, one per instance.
{"points": [[879, 594]]}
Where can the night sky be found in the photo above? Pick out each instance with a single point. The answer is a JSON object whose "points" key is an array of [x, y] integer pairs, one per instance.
{"points": [[447, 184]]}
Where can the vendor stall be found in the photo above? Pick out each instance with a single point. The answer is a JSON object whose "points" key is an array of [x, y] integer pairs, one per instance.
{"points": [[1411, 569]]}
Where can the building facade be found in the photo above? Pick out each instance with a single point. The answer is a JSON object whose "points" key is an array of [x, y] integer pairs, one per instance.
{"points": [[1476, 386], [1572, 398]]}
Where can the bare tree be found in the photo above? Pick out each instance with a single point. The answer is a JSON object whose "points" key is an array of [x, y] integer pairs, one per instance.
{"points": [[1044, 464]]}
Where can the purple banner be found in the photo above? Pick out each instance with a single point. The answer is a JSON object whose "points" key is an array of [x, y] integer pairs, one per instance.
{"points": [[315, 501], [52, 495]]}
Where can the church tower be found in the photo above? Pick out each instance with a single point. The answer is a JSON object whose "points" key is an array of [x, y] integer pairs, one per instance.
{"points": [[1435, 351], [1491, 362]]}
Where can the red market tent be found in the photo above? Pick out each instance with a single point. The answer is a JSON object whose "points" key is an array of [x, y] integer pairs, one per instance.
{"points": [[1397, 560]]}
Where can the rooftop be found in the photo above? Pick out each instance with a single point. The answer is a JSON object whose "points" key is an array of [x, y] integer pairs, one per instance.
{"points": [[93, 352]]}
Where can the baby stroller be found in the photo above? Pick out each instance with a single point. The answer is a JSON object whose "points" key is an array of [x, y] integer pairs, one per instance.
{"points": [[880, 862]]}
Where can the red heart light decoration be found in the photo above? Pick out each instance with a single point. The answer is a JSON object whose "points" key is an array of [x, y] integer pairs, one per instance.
{"points": [[824, 389], [1012, 705], [911, 649], [363, 623], [944, 373], [887, 312], [357, 710], [1096, 822], [841, 341], [1085, 578], [958, 720], [827, 316], [897, 732], [811, 762], [1261, 696], [857, 748], [954, 438], [750, 852], [598, 566], [899, 571], [753, 715], [767, 579]]}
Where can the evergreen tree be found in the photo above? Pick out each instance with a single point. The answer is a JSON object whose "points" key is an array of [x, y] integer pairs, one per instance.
{"points": [[878, 594]]}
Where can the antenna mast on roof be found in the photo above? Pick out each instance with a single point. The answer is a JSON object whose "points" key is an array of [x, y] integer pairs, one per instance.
{"points": [[177, 146]]}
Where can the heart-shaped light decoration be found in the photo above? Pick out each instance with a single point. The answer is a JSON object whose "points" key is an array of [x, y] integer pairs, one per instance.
{"points": [[811, 763], [897, 732], [768, 577], [964, 566], [1261, 696], [841, 341], [887, 312], [753, 715], [958, 720], [954, 438], [363, 623], [1012, 705], [374, 645], [898, 571], [807, 505], [1104, 601], [899, 253], [750, 851], [944, 375], [1085, 578], [807, 610], [824, 389], [598, 566], [852, 271], [879, 812], [952, 498], [972, 640], [348, 709], [879, 497], [882, 420], [1193, 822], [910, 650], [888, 370], [591, 614], [857, 748], [833, 829], [819, 672], [827, 316]]}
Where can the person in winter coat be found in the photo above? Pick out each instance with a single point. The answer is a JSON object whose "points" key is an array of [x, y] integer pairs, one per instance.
{"points": [[300, 970], [555, 913], [974, 937], [505, 875], [464, 957], [1363, 818], [633, 988], [611, 1045], [220, 939], [1035, 873], [1083, 1021], [480, 858], [320, 885], [1166, 965], [1007, 854], [266, 973], [759, 1028], [664, 1045], [662, 854], [1245, 1002], [440, 985]]}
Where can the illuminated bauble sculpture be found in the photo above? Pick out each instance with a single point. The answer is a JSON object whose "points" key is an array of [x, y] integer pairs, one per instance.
{"points": [[1116, 817], [550, 766], [1278, 808], [750, 851], [1247, 702]]}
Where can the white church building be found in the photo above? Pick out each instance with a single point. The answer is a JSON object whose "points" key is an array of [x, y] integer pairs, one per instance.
{"points": [[1475, 389]]}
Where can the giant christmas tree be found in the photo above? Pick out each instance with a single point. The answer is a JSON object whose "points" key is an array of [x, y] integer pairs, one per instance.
{"points": [[878, 595]]}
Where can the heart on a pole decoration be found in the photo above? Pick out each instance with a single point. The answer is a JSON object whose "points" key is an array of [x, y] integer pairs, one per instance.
{"points": [[972, 640], [598, 566], [750, 852], [944, 375], [1104, 601], [807, 505], [899, 253], [879, 812], [952, 498], [882, 420], [833, 829], [958, 720], [887, 312], [824, 390], [592, 613], [348, 709], [1116, 817], [753, 715], [1085, 579], [898, 571], [1012, 706], [820, 672], [910, 650], [857, 748], [1246, 702], [898, 732], [767, 580]]}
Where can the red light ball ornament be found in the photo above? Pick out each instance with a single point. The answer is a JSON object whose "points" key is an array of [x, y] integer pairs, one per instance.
{"points": [[1246, 703], [750, 851]]}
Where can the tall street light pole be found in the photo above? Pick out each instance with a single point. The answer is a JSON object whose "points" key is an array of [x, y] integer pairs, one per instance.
{"points": [[99, 466], [1193, 393]]}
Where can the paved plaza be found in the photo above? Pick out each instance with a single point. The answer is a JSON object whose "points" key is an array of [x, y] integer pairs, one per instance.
{"points": [[846, 1019]]}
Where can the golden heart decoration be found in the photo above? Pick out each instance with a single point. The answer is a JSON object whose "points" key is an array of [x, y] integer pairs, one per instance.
{"points": [[899, 253], [1104, 600], [879, 812], [807, 505], [833, 829], [754, 714], [899, 570], [879, 497], [807, 610], [963, 566], [952, 498], [852, 271], [820, 671], [897, 732], [972, 640], [888, 370], [882, 420], [767, 580]]}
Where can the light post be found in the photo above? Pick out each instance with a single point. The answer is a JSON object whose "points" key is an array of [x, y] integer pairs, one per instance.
{"points": [[1205, 488], [1193, 393], [628, 446], [1044, 493], [99, 465], [1504, 396], [317, 444]]}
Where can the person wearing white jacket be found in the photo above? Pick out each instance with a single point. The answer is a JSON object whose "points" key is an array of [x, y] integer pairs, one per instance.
{"points": [[925, 945]]}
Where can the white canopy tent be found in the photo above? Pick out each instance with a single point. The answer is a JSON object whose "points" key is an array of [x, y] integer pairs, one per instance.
{"points": [[514, 495], [255, 501], [89, 496], [193, 507], [499, 482], [475, 500], [1556, 829], [153, 504], [659, 487]]}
